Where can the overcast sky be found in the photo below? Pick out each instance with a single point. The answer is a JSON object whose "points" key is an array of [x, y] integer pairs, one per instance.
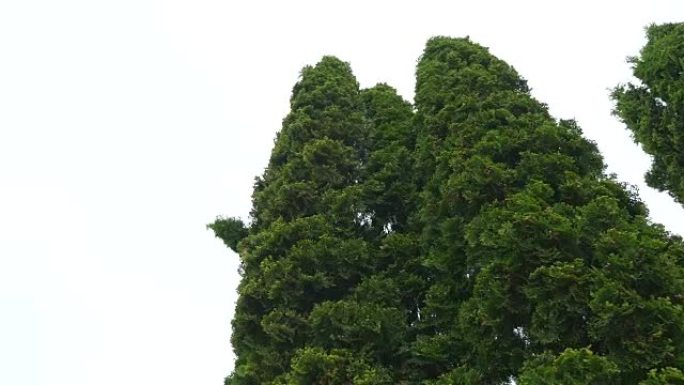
{"points": [[126, 126]]}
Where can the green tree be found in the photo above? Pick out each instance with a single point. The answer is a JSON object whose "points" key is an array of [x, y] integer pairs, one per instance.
{"points": [[302, 247], [472, 239], [652, 108], [319, 301], [531, 248]]}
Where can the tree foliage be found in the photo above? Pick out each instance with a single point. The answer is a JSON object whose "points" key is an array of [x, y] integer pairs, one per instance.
{"points": [[318, 303], [230, 230], [468, 239], [652, 108]]}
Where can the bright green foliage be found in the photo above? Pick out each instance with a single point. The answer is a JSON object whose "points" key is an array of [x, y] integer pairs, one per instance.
{"points": [[571, 367], [652, 109], [337, 367], [667, 376], [473, 240]]}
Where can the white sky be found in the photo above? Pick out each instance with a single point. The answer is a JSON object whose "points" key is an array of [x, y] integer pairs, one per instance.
{"points": [[126, 126]]}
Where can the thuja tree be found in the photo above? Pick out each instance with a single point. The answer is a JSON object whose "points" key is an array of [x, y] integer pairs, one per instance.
{"points": [[319, 301], [474, 240], [390, 193], [542, 268], [653, 108]]}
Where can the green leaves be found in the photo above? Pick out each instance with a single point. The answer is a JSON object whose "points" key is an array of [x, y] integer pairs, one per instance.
{"points": [[652, 108], [316, 302], [666, 376], [365, 327], [571, 367], [525, 237], [316, 366], [559, 295], [230, 230], [469, 239]]}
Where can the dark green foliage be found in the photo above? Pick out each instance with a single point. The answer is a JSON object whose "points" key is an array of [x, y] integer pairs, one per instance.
{"points": [[230, 230], [474, 240], [387, 178], [317, 300], [302, 249], [571, 367], [653, 109], [532, 250]]}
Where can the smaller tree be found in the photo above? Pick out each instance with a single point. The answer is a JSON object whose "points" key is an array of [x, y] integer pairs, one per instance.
{"points": [[653, 110]]}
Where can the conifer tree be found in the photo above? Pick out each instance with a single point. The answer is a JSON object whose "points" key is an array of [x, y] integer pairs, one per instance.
{"points": [[301, 248], [653, 109], [319, 301], [540, 264], [475, 240]]}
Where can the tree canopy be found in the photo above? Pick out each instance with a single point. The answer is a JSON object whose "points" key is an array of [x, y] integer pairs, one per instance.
{"points": [[653, 108], [468, 239]]}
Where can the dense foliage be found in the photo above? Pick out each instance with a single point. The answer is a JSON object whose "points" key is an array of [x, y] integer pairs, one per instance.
{"points": [[471, 239], [653, 109], [319, 301]]}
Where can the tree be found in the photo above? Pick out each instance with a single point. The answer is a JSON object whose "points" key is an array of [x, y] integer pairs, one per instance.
{"points": [[531, 248], [652, 108], [571, 367], [301, 248], [474, 240], [319, 301], [667, 376]]}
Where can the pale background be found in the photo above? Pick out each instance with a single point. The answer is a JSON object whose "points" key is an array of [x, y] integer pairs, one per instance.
{"points": [[126, 126]]}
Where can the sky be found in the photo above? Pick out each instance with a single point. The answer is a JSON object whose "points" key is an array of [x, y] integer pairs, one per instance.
{"points": [[126, 126]]}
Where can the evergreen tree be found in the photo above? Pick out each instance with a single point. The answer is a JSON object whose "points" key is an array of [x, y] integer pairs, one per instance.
{"points": [[532, 250], [302, 247], [361, 337], [319, 301], [390, 193], [653, 108], [474, 240]]}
